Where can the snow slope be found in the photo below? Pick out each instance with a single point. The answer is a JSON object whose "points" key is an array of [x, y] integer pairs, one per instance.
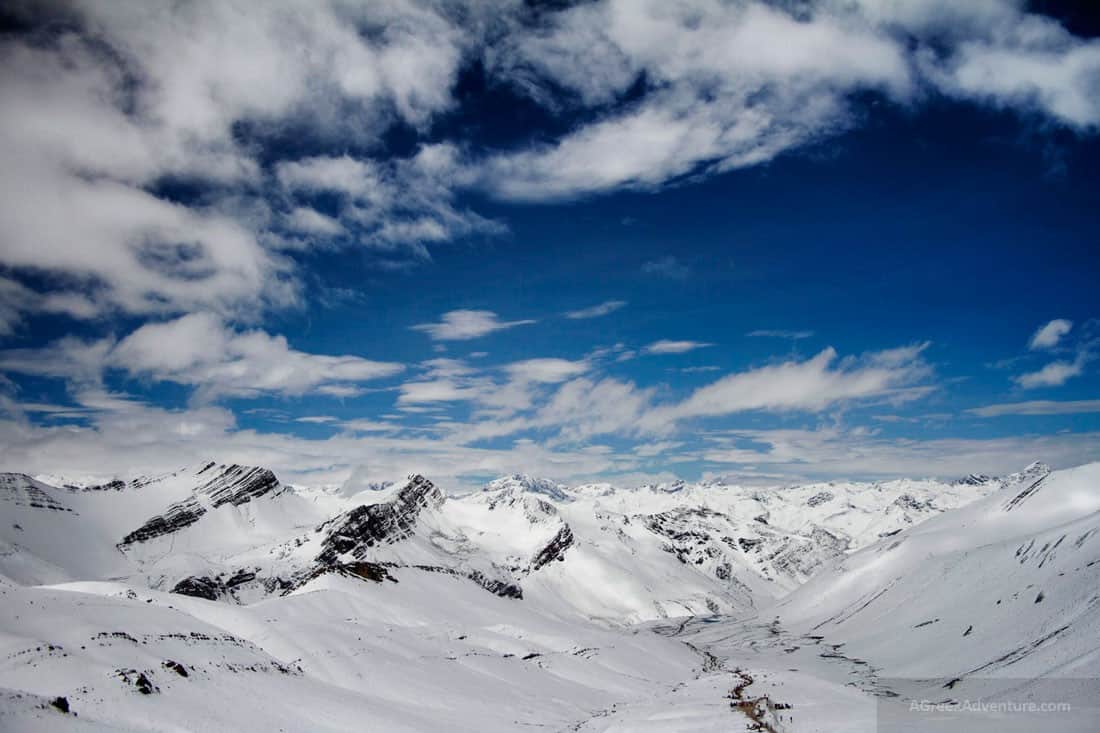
{"points": [[338, 654], [1006, 589]]}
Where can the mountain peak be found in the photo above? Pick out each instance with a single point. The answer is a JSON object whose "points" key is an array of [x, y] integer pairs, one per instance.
{"points": [[1032, 472], [531, 484]]}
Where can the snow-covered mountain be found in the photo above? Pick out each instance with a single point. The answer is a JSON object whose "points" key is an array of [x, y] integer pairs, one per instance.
{"points": [[528, 602], [1007, 587]]}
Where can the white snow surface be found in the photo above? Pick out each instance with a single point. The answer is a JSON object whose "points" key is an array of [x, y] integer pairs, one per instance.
{"points": [[684, 606]]}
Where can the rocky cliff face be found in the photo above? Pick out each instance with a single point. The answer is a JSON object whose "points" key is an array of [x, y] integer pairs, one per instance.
{"points": [[554, 549], [21, 490], [355, 532], [218, 485]]}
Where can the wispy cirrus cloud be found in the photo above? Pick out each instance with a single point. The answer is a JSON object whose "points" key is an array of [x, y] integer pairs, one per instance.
{"points": [[780, 334], [733, 85], [811, 385], [834, 451], [1038, 407], [667, 267], [596, 311]]}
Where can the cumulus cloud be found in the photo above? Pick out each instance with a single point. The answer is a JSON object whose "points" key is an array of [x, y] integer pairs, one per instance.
{"points": [[201, 351], [126, 95], [667, 346], [463, 325], [110, 101], [1049, 334], [1036, 65], [608, 306]]}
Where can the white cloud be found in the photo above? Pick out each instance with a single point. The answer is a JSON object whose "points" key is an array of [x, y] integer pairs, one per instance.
{"points": [[585, 407], [124, 437], [780, 334], [462, 325], [733, 85], [390, 204], [832, 452], [668, 267], [730, 85], [119, 98], [648, 450], [608, 306], [200, 350], [1037, 66], [368, 426], [811, 385], [548, 371], [666, 346], [1038, 407], [1049, 334], [1054, 374], [16, 300], [69, 358], [310, 221], [438, 390], [126, 95], [341, 174]]}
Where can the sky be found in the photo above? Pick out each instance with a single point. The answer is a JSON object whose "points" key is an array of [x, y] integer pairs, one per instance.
{"points": [[619, 240]]}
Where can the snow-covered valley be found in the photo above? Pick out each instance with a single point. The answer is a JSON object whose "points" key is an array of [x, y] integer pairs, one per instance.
{"points": [[217, 598]]}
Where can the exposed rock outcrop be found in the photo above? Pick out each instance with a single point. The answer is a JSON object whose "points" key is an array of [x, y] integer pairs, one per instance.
{"points": [[354, 532], [22, 490], [233, 485], [554, 549]]}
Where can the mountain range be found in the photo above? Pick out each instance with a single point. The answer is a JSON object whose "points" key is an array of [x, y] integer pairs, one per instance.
{"points": [[215, 597]]}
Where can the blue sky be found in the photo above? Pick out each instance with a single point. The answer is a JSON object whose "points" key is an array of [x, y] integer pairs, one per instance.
{"points": [[610, 241]]}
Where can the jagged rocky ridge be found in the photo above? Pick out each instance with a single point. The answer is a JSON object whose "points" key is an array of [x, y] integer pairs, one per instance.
{"points": [[19, 489], [234, 485], [706, 547], [354, 533]]}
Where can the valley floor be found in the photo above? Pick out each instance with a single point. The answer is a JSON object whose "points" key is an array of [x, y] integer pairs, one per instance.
{"points": [[333, 659]]}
